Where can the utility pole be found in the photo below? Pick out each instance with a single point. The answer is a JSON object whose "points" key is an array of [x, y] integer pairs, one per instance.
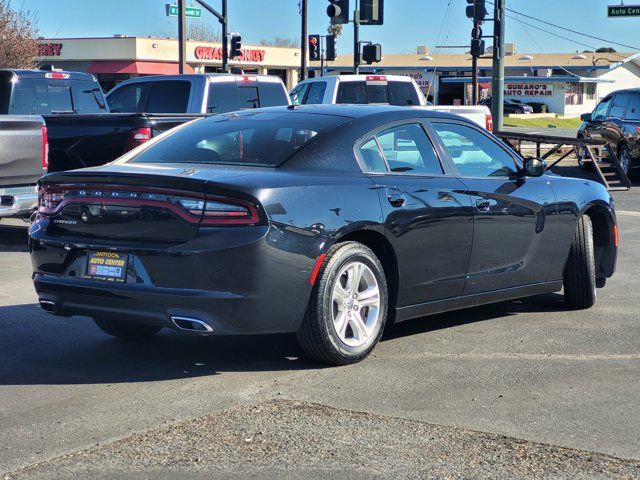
{"points": [[474, 80], [497, 80], [182, 36], [225, 46], [356, 39], [303, 41]]}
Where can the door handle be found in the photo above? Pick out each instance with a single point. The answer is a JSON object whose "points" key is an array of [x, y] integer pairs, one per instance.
{"points": [[396, 200]]}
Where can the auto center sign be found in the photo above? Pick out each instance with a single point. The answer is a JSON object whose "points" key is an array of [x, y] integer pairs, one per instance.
{"points": [[528, 89], [215, 53]]}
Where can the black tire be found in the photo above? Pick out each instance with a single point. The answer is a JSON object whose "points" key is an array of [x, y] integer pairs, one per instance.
{"points": [[580, 271], [124, 330], [317, 335], [624, 151], [518, 111]]}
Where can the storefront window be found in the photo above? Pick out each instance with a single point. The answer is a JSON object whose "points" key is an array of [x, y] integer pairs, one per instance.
{"points": [[590, 90], [574, 94]]}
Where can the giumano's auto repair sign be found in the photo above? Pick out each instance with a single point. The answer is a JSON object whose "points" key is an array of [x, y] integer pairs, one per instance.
{"points": [[215, 53], [528, 89]]}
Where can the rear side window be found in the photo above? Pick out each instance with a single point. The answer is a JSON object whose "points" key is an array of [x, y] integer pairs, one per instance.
{"points": [[223, 97], [248, 97], [619, 105], [393, 93], [169, 97], [263, 139], [407, 149], [272, 94], [128, 99], [633, 109]]}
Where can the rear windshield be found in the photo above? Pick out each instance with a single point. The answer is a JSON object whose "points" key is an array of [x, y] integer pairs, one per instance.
{"points": [[41, 96], [393, 93], [263, 139]]}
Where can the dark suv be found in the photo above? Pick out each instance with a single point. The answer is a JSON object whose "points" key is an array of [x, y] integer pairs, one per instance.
{"points": [[616, 120]]}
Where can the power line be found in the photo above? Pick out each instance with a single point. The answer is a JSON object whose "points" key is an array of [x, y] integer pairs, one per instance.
{"points": [[562, 27]]}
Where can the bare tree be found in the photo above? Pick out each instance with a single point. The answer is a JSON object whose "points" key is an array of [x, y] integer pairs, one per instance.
{"points": [[282, 42], [203, 31], [18, 37]]}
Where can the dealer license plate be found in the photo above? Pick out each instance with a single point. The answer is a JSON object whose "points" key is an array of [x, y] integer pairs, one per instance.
{"points": [[108, 266]]}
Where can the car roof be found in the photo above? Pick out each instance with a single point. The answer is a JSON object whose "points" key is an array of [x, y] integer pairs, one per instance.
{"points": [[362, 78], [359, 111], [211, 77], [27, 73]]}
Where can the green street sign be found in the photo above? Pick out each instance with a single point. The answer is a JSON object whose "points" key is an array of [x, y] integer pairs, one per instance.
{"points": [[192, 12], [623, 11]]}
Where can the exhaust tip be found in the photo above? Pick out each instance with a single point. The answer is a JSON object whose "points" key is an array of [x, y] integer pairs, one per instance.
{"points": [[192, 325], [48, 305]]}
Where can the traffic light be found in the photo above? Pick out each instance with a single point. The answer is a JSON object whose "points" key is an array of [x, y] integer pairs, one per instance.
{"points": [[372, 53], [372, 12], [477, 47], [477, 10], [314, 47], [332, 47], [338, 11], [236, 45]]}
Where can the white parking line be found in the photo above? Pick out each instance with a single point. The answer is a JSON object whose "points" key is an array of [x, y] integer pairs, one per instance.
{"points": [[627, 213]]}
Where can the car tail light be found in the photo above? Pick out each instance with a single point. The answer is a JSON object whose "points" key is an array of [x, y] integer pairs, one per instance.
{"points": [[224, 211], [45, 148], [49, 200], [137, 137], [488, 121]]}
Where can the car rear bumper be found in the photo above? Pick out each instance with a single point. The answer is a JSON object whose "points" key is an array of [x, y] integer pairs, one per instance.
{"points": [[18, 201], [233, 282]]}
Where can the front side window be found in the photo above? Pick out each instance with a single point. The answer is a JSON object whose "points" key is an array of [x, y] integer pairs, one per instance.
{"points": [[633, 109], [298, 93], [600, 112], [261, 139], [474, 153], [619, 105], [316, 93]]}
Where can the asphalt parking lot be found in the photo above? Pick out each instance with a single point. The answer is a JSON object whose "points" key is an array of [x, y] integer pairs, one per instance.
{"points": [[522, 389]]}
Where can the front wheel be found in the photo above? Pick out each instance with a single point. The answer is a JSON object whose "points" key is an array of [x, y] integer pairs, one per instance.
{"points": [[124, 330], [348, 306], [580, 271]]}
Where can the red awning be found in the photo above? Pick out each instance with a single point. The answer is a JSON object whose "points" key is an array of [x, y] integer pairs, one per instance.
{"points": [[142, 68]]}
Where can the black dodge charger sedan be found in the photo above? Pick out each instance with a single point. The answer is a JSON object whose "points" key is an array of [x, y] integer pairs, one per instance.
{"points": [[327, 221]]}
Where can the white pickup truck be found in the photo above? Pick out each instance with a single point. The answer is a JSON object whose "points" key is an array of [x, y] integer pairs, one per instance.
{"points": [[380, 89], [23, 160]]}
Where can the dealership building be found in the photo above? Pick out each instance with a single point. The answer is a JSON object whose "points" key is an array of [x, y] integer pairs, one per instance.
{"points": [[567, 83]]}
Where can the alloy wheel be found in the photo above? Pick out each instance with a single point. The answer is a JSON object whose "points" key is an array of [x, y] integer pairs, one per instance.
{"points": [[355, 304]]}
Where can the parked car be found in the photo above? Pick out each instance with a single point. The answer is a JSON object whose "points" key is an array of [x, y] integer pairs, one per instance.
{"points": [[510, 106], [197, 93], [23, 160], [81, 131], [616, 120], [323, 220], [397, 90]]}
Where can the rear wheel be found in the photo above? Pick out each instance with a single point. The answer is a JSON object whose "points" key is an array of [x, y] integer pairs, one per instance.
{"points": [[624, 157], [580, 271], [348, 306], [518, 111], [124, 330]]}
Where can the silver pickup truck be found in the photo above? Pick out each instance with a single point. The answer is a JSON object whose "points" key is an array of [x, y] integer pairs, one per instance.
{"points": [[23, 160]]}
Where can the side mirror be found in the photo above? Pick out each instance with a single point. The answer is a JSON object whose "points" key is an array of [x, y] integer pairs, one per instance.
{"points": [[585, 117], [534, 167]]}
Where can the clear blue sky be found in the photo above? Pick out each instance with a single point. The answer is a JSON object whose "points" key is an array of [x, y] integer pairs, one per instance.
{"points": [[407, 22]]}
